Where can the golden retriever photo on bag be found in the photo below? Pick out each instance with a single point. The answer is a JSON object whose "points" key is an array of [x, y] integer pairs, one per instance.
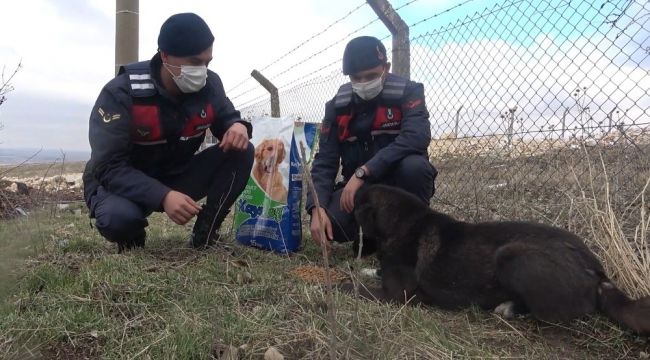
{"points": [[269, 154]]}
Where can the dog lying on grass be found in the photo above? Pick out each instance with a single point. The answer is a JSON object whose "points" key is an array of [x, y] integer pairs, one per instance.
{"points": [[512, 267]]}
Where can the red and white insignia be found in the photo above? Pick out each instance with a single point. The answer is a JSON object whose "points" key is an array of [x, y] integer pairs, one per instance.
{"points": [[413, 103]]}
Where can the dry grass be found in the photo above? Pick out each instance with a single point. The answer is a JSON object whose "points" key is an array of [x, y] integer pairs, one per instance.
{"points": [[619, 237], [539, 187], [449, 146]]}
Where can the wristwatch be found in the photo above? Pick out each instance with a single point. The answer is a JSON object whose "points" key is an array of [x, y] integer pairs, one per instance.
{"points": [[360, 173]]}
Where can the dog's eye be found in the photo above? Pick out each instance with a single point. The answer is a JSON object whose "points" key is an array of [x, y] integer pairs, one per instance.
{"points": [[270, 148]]}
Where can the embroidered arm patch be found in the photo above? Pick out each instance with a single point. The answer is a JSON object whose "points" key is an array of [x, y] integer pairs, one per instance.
{"points": [[108, 117]]}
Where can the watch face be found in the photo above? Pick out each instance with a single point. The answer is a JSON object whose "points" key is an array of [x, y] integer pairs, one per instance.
{"points": [[359, 173]]}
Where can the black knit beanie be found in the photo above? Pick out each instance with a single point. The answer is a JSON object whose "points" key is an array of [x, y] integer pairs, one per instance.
{"points": [[363, 53], [184, 34]]}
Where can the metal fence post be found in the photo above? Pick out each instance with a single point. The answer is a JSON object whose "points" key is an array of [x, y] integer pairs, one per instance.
{"points": [[400, 32], [275, 98], [457, 122]]}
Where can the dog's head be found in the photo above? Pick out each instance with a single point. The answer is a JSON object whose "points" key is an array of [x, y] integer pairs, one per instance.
{"points": [[379, 209], [268, 154]]}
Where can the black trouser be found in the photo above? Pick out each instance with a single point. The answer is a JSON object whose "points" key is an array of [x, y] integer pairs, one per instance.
{"points": [[219, 176], [413, 174]]}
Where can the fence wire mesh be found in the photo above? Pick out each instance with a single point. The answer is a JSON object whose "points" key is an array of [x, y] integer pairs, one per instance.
{"points": [[531, 102]]}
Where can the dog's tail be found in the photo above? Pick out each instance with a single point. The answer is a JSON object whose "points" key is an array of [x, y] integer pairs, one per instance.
{"points": [[632, 314]]}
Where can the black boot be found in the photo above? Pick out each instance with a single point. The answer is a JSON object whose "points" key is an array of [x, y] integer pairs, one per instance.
{"points": [[131, 242], [206, 228]]}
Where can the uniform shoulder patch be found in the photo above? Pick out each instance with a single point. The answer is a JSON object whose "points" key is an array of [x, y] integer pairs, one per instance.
{"points": [[108, 117], [413, 103]]}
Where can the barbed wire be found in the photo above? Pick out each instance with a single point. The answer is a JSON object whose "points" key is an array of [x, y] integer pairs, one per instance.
{"points": [[252, 101], [316, 35], [406, 4], [322, 50], [327, 28], [345, 37], [307, 75], [440, 13], [292, 67], [469, 20], [340, 59]]}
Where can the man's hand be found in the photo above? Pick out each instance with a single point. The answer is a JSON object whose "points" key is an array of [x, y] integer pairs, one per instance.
{"points": [[350, 189], [180, 207], [314, 227], [235, 138]]}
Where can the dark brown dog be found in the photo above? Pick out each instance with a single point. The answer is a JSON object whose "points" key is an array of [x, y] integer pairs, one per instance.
{"points": [[513, 267]]}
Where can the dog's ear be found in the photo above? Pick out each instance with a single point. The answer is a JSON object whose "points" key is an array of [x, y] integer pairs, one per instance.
{"points": [[280, 153], [259, 149]]}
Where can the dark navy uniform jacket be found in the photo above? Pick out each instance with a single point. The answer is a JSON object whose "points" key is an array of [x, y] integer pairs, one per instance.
{"points": [[378, 133], [139, 134]]}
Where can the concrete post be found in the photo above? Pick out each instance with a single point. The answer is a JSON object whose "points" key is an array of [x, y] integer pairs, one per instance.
{"points": [[275, 98], [401, 63], [126, 32]]}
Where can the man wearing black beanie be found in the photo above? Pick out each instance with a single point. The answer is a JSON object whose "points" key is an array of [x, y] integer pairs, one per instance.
{"points": [[377, 127], [145, 130]]}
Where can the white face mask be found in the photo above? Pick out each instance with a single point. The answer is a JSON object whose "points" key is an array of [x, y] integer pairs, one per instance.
{"points": [[191, 79], [370, 89]]}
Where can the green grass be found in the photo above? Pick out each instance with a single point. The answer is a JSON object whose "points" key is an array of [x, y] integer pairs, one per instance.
{"points": [[67, 294]]}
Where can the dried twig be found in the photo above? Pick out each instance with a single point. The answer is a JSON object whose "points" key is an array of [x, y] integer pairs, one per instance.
{"points": [[331, 310], [222, 201]]}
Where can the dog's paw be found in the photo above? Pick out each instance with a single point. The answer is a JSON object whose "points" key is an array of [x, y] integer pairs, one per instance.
{"points": [[605, 286], [506, 310], [371, 273]]}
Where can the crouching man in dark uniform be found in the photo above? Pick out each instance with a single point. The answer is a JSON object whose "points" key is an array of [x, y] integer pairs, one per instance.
{"points": [[145, 129], [377, 128]]}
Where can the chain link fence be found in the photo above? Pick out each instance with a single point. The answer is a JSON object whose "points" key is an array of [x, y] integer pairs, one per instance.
{"points": [[531, 103]]}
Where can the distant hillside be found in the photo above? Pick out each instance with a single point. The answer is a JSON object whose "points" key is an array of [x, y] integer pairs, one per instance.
{"points": [[12, 156]]}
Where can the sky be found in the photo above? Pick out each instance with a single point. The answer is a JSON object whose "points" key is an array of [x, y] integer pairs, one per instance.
{"points": [[66, 48]]}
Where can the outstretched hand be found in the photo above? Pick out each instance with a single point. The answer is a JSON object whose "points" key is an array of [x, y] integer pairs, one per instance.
{"points": [[314, 227], [235, 138], [179, 207]]}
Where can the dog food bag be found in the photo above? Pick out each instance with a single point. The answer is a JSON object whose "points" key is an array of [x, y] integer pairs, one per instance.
{"points": [[267, 213]]}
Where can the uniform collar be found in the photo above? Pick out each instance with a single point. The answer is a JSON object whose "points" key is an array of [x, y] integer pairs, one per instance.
{"points": [[155, 65]]}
